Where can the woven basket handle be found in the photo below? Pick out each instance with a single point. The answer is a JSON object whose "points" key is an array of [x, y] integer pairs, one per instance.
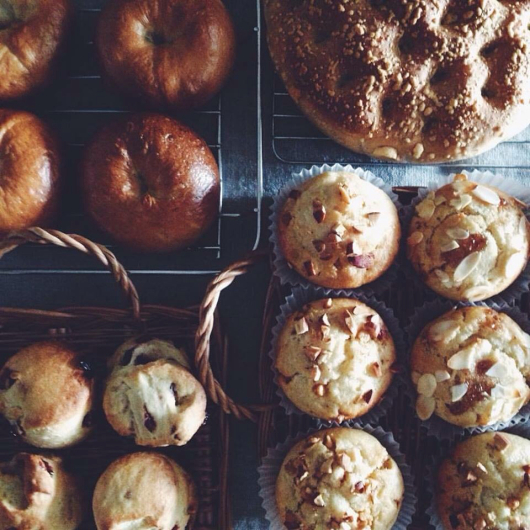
{"points": [[207, 315], [60, 239]]}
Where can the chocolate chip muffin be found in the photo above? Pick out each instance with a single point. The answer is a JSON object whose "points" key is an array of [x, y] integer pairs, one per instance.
{"points": [[152, 395], [46, 393], [144, 490], [338, 230], [335, 358], [484, 484], [37, 493], [339, 478], [468, 241], [471, 367]]}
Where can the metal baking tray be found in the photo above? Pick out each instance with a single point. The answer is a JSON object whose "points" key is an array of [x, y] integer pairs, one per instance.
{"points": [[78, 103]]}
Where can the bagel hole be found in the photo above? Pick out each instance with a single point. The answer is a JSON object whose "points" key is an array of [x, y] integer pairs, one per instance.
{"points": [[430, 125], [345, 79], [388, 106], [488, 93], [155, 38], [489, 49], [321, 36], [144, 188], [440, 76], [406, 45]]}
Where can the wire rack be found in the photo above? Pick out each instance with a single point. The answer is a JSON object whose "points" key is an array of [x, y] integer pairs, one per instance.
{"points": [[79, 103], [295, 140]]}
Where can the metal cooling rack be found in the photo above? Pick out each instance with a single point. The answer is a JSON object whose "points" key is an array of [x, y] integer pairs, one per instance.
{"points": [[79, 103]]}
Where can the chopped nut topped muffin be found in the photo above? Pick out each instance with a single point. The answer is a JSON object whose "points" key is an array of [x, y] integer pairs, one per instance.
{"points": [[339, 479], [471, 367], [468, 241], [338, 230], [335, 358], [485, 484]]}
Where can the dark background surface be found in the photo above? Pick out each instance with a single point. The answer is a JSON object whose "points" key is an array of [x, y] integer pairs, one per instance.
{"points": [[50, 278]]}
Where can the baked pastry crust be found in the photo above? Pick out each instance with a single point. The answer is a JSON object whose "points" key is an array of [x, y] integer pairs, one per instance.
{"points": [[338, 230], [468, 241], [46, 393], [418, 80], [152, 395], [36, 493], [151, 183], [144, 490], [166, 53], [30, 171], [334, 358], [31, 38], [339, 477], [483, 485], [471, 367]]}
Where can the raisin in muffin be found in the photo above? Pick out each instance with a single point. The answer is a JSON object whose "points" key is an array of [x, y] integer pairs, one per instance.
{"points": [[468, 241], [144, 490], [335, 358], [339, 478], [471, 367], [152, 395], [37, 493], [46, 393], [484, 484], [338, 230]]}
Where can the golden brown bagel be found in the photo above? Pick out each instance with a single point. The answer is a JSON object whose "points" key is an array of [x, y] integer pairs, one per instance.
{"points": [[167, 53], [32, 33], [150, 182], [29, 171]]}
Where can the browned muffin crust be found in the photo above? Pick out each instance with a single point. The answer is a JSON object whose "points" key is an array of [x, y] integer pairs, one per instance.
{"points": [[167, 53], [150, 182], [417, 80]]}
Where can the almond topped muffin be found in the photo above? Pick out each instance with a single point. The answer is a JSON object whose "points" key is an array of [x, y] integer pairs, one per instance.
{"points": [[468, 241], [335, 358], [339, 479], [471, 367], [484, 484], [338, 230]]}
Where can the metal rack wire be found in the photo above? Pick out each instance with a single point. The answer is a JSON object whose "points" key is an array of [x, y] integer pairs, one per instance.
{"points": [[77, 105]]}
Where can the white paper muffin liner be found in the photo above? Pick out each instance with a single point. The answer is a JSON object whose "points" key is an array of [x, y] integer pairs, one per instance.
{"points": [[430, 311], [511, 187], [269, 469], [301, 296], [431, 474], [281, 267]]}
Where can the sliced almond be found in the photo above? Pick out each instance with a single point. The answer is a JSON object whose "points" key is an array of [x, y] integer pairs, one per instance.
{"points": [[452, 245], [443, 330], [499, 392], [373, 217], [439, 199], [500, 441], [328, 302], [312, 353], [351, 323], [319, 390], [426, 385], [425, 209], [457, 233], [316, 373], [415, 238], [442, 375], [375, 370], [486, 195], [458, 392], [498, 370], [319, 501], [461, 202], [467, 358], [301, 326], [338, 229], [328, 442], [479, 292], [523, 225], [442, 275], [327, 466], [481, 467], [324, 319], [467, 266], [425, 407], [514, 265]]}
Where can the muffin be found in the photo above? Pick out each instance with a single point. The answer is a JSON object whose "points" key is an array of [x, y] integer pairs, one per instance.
{"points": [[37, 493], [339, 478], [146, 489], [30, 179], [152, 395], [339, 231], [46, 393], [32, 35], [468, 241], [484, 484], [335, 358], [150, 183], [166, 53], [471, 367]]}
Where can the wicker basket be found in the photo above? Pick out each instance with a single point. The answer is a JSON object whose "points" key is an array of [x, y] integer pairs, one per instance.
{"points": [[96, 332]]}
